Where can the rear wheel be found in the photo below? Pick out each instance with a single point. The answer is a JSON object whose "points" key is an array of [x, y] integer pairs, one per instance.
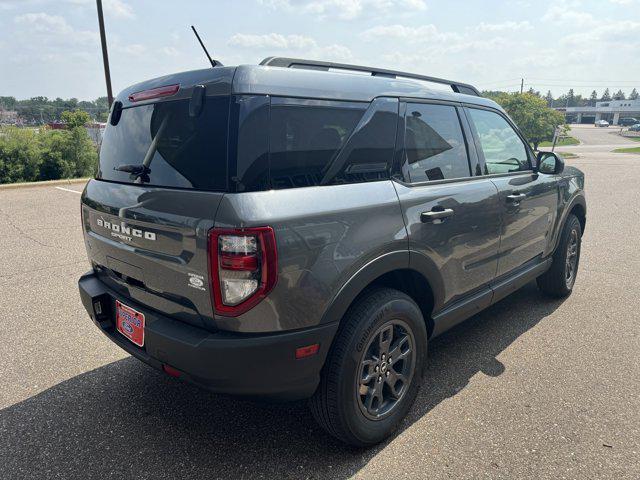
{"points": [[374, 370], [558, 281]]}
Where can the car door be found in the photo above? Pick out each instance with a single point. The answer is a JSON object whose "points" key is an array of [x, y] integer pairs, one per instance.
{"points": [[528, 200], [452, 214]]}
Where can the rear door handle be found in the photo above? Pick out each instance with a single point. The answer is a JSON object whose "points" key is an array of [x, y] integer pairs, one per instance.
{"points": [[437, 215], [516, 197]]}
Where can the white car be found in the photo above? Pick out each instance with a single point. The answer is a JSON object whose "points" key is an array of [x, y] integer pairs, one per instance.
{"points": [[602, 123]]}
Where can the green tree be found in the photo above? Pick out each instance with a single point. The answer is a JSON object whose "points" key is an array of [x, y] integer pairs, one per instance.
{"points": [[619, 95], [75, 118], [19, 155], [633, 95], [7, 103], [606, 96], [532, 115], [549, 98], [593, 98]]}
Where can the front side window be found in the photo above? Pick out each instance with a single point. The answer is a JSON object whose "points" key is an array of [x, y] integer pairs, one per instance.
{"points": [[503, 149], [434, 144]]}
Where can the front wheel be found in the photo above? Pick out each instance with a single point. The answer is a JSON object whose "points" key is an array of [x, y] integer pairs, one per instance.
{"points": [[558, 281], [374, 369]]}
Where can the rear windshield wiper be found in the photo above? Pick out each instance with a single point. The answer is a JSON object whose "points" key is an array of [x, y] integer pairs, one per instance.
{"points": [[132, 169], [139, 171]]}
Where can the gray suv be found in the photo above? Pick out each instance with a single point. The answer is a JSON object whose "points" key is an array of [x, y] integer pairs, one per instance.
{"points": [[301, 229]]}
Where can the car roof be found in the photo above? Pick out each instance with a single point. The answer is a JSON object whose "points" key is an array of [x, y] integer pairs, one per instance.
{"points": [[340, 85]]}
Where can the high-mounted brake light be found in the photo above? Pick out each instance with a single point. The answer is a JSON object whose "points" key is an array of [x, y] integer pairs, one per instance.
{"points": [[243, 265], [165, 91]]}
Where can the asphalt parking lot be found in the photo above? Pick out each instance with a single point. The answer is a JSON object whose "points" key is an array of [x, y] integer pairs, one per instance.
{"points": [[530, 388]]}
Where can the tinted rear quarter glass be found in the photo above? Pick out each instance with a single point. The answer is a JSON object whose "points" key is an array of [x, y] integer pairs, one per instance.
{"points": [[291, 142], [304, 136], [191, 151]]}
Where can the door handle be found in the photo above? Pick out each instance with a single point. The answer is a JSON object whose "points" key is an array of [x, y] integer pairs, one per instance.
{"points": [[437, 215], [516, 197]]}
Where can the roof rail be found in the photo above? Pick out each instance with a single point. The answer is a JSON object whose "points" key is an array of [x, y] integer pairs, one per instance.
{"points": [[376, 72]]}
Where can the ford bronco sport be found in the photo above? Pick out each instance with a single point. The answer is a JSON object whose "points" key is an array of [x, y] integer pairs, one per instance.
{"points": [[301, 229]]}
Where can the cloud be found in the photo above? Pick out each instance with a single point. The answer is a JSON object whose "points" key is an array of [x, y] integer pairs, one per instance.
{"points": [[300, 44], [170, 51], [504, 26], [563, 15], [118, 8], [624, 34], [44, 23], [272, 40], [54, 29], [113, 8], [345, 9], [422, 34]]}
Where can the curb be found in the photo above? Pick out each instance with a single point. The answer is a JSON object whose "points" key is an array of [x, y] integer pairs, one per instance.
{"points": [[46, 183]]}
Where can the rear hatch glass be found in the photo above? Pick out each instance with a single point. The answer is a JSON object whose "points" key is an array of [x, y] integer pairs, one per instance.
{"points": [[181, 151]]}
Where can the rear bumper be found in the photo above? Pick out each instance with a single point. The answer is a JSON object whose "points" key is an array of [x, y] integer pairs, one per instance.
{"points": [[253, 365]]}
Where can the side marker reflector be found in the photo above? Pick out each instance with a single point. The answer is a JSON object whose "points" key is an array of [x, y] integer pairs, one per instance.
{"points": [[309, 350], [172, 372]]}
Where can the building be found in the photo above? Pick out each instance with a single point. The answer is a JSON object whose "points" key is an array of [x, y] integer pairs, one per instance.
{"points": [[8, 116], [611, 111]]}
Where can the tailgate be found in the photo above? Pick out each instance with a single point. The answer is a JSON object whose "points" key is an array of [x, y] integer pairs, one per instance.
{"points": [[150, 244]]}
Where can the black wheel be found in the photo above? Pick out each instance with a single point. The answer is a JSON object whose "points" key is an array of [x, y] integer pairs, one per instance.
{"points": [[374, 369], [558, 281]]}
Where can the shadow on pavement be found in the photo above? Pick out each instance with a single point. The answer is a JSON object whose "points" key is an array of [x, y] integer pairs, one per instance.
{"points": [[127, 420]]}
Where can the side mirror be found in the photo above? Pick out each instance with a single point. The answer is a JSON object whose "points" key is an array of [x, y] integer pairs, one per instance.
{"points": [[549, 163]]}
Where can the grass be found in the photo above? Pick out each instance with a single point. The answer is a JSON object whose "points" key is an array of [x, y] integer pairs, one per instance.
{"points": [[635, 139], [627, 150], [562, 142], [567, 154]]}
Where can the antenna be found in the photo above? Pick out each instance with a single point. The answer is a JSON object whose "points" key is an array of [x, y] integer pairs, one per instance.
{"points": [[214, 63]]}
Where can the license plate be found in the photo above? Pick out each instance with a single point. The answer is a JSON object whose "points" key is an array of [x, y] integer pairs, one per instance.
{"points": [[130, 323]]}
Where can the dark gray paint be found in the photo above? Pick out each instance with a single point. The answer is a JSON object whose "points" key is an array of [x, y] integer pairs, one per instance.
{"points": [[332, 240]]}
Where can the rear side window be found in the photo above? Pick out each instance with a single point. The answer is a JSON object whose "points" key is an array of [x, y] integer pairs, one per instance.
{"points": [[434, 144], [304, 137], [502, 148], [180, 151]]}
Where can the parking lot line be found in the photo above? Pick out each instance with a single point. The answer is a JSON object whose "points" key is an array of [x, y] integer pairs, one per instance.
{"points": [[67, 189]]}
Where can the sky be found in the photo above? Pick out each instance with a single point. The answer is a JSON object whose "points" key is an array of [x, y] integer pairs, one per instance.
{"points": [[52, 47]]}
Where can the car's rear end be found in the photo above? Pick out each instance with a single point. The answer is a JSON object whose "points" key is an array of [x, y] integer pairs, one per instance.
{"points": [[159, 265], [224, 221]]}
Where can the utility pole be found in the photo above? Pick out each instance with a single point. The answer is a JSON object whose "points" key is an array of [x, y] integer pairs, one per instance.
{"points": [[522, 85], [105, 56]]}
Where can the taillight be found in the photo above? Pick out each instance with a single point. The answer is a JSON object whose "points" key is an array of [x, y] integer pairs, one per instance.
{"points": [[243, 265], [165, 91]]}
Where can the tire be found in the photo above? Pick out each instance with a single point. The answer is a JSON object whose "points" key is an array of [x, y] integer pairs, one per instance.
{"points": [[559, 280], [354, 402]]}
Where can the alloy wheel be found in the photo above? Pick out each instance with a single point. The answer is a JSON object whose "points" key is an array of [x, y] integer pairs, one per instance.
{"points": [[386, 370], [571, 264]]}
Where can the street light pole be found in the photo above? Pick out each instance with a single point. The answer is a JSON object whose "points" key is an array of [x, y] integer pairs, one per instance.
{"points": [[105, 56]]}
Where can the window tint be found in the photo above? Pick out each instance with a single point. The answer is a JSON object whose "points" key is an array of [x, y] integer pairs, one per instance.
{"points": [[503, 149], [368, 152], [249, 165], [304, 136], [188, 152], [434, 144]]}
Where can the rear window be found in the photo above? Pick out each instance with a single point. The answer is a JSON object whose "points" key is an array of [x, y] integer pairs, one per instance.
{"points": [[184, 151]]}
